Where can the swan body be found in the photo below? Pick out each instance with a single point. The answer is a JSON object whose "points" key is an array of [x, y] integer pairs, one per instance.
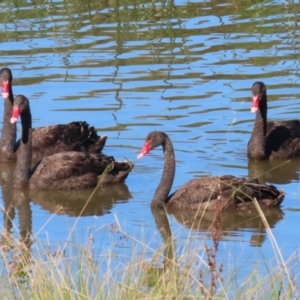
{"points": [[64, 170]]}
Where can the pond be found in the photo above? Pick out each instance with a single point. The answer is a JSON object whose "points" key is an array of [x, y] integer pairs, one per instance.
{"points": [[130, 67]]}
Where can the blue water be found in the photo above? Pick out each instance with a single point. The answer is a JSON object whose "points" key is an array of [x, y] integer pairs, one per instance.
{"points": [[186, 68]]}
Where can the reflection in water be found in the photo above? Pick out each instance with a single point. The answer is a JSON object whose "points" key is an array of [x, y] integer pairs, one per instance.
{"points": [[83, 202], [233, 223], [278, 171], [19, 254], [72, 203], [209, 271], [153, 270], [163, 226], [15, 200], [21, 202], [172, 265]]}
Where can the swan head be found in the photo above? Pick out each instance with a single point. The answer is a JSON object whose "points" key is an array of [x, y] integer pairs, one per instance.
{"points": [[258, 94], [21, 104], [153, 139], [5, 79]]}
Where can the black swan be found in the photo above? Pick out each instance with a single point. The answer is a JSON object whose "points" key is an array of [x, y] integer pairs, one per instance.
{"points": [[271, 140], [47, 140], [8, 136], [206, 193], [64, 170]]}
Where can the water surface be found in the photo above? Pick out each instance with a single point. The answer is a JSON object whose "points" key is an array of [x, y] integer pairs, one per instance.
{"points": [[184, 67]]}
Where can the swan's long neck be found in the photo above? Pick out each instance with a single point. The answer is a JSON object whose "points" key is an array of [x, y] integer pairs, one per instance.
{"points": [[257, 143], [8, 137], [166, 182], [22, 170]]}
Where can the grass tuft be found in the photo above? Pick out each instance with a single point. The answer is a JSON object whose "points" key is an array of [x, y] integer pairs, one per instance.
{"points": [[75, 271]]}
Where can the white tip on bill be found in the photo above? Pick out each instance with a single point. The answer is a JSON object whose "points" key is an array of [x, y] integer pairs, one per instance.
{"points": [[13, 120], [140, 156], [5, 95], [254, 109]]}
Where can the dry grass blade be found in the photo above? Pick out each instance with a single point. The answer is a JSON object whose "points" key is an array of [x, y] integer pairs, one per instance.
{"points": [[276, 248]]}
